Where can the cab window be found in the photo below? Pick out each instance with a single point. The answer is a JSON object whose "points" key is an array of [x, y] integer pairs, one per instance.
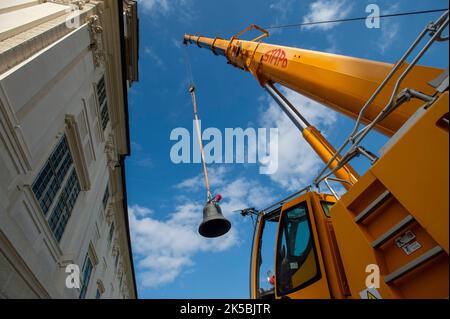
{"points": [[266, 257], [326, 206], [297, 265]]}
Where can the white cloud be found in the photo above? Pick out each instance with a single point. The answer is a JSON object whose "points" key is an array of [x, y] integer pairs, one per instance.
{"points": [[389, 33], [139, 156], [181, 9], [333, 48], [166, 248], [155, 5], [140, 211], [216, 176], [237, 193], [324, 10], [297, 162], [242, 193], [135, 146], [148, 51], [177, 43], [389, 30], [281, 9]]}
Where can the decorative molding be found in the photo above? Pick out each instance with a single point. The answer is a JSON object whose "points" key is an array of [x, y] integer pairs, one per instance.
{"points": [[115, 247], [111, 153], [79, 4], [120, 270], [131, 28], [110, 212], [22, 269], [93, 254], [48, 237], [100, 286], [124, 288], [113, 71], [12, 134], [76, 148], [96, 46], [105, 264], [25, 44], [66, 259]]}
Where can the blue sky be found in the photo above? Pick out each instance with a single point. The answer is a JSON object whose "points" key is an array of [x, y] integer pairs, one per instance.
{"points": [[166, 199]]}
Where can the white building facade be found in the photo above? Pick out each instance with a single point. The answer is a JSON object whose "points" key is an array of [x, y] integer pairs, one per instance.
{"points": [[65, 68]]}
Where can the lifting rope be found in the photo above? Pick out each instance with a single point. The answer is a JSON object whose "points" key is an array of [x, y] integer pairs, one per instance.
{"points": [[391, 15], [197, 124], [383, 16]]}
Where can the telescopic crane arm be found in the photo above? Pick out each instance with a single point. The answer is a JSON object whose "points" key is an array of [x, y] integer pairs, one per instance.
{"points": [[340, 82]]}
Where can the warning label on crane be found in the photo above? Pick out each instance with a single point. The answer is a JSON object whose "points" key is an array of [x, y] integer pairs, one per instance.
{"points": [[370, 293]]}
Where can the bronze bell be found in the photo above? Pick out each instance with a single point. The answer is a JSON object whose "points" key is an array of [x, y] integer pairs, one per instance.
{"points": [[214, 224]]}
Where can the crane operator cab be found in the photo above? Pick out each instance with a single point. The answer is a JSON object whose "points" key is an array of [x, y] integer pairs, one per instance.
{"points": [[295, 268]]}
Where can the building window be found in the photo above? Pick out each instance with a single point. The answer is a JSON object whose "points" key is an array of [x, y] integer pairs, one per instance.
{"points": [[48, 182], [57, 174], [111, 233], [63, 209], [105, 197], [86, 275], [116, 262], [102, 102]]}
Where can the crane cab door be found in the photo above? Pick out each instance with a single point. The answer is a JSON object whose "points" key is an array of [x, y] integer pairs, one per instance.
{"points": [[299, 267], [287, 259], [263, 254]]}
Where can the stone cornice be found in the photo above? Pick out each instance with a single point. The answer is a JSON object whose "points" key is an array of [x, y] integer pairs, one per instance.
{"points": [[113, 66], [35, 39]]}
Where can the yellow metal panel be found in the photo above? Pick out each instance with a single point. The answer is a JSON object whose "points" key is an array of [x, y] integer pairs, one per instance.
{"points": [[416, 171]]}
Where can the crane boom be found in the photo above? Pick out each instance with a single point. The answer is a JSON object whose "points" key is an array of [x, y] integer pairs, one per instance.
{"points": [[340, 82]]}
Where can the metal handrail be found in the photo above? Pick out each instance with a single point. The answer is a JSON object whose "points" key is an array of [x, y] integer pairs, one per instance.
{"points": [[335, 194], [356, 136], [281, 202]]}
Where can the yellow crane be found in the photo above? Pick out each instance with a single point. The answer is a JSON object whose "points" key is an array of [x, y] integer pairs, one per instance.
{"points": [[387, 236]]}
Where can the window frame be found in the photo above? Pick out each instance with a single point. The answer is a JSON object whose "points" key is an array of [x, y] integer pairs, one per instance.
{"points": [[322, 205], [318, 274], [111, 233], [56, 177], [103, 110], [105, 198], [84, 283], [63, 198], [116, 260], [262, 223]]}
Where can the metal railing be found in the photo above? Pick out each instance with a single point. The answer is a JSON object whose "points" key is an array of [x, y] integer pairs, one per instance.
{"points": [[435, 30]]}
